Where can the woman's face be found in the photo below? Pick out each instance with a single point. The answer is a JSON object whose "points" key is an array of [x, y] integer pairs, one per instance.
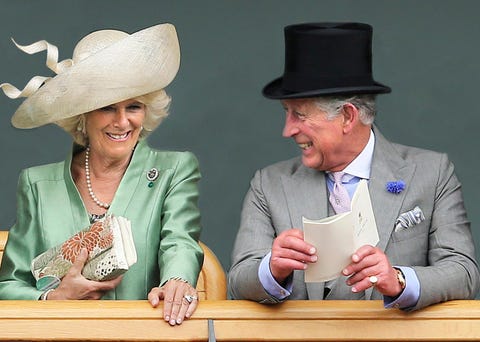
{"points": [[113, 130]]}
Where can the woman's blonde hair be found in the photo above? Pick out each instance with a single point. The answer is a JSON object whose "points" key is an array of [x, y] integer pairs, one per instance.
{"points": [[156, 103]]}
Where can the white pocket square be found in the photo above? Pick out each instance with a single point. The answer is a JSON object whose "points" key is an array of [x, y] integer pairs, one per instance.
{"points": [[409, 219]]}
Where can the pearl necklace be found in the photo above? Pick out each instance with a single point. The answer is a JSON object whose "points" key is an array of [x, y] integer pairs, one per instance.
{"points": [[89, 184]]}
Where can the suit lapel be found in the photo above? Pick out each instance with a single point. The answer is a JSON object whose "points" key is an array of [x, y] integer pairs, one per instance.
{"points": [[306, 193], [387, 166]]}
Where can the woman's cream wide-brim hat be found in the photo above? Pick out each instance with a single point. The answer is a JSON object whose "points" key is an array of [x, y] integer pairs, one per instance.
{"points": [[108, 66]]}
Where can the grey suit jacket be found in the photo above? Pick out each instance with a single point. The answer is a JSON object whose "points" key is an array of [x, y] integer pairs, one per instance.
{"points": [[440, 248]]}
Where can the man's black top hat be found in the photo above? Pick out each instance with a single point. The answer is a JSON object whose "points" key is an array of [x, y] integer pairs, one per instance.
{"points": [[326, 59]]}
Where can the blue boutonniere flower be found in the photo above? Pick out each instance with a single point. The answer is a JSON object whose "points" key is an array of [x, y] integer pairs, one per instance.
{"points": [[395, 187]]}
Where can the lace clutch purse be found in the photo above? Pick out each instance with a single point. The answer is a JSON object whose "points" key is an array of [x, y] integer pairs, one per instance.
{"points": [[111, 251]]}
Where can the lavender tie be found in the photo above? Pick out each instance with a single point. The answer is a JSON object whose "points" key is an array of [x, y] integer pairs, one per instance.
{"points": [[339, 197]]}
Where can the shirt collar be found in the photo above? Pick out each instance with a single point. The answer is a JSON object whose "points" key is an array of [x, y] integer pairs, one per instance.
{"points": [[360, 166]]}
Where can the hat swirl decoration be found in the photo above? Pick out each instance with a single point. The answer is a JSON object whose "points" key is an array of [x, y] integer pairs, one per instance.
{"points": [[107, 66], [36, 81]]}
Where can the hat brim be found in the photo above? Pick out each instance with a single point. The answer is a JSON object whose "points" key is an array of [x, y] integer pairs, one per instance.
{"points": [[141, 63], [274, 90]]}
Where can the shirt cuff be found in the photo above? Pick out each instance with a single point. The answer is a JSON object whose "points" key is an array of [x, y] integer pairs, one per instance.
{"points": [[269, 283], [409, 297]]}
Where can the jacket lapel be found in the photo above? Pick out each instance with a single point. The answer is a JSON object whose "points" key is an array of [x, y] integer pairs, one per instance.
{"points": [[131, 180], [306, 194], [387, 166], [78, 212]]}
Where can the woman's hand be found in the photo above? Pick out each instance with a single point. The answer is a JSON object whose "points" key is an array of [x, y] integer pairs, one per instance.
{"points": [[75, 286], [180, 300]]}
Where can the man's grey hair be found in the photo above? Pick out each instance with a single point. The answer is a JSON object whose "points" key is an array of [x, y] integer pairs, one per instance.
{"points": [[333, 105]]}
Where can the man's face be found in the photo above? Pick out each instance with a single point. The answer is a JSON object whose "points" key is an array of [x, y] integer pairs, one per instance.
{"points": [[321, 139]]}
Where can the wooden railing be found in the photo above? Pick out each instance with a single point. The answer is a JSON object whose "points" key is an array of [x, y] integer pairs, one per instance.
{"points": [[222, 320], [238, 321]]}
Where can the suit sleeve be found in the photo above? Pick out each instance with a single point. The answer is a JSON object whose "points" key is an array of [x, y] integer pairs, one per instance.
{"points": [[180, 254], [254, 240], [452, 271], [16, 279]]}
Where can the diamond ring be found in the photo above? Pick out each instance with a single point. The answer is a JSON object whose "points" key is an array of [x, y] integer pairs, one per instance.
{"points": [[189, 298], [373, 280]]}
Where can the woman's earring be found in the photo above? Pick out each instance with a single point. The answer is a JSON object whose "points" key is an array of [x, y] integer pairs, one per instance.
{"points": [[81, 127]]}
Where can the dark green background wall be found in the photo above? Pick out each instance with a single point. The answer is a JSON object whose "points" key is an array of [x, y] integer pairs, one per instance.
{"points": [[427, 51]]}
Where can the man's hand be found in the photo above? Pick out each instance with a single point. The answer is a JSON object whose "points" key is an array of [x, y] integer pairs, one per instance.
{"points": [[370, 261], [290, 252]]}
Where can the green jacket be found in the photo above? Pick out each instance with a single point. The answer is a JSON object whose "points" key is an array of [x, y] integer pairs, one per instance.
{"points": [[165, 222]]}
